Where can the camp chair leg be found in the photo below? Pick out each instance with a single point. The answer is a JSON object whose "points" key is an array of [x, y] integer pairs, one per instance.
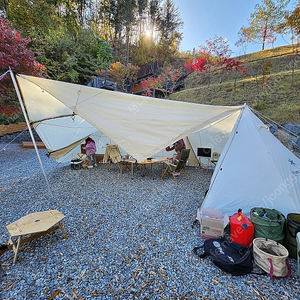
{"points": [[174, 178], [120, 168], [182, 171], [164, 172]]}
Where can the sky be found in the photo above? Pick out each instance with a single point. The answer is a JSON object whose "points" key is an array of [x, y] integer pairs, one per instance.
{"points": [[203, 20]]}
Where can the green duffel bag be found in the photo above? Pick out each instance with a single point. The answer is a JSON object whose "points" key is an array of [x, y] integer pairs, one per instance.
{"points": [[292, 227], [268, 223]]}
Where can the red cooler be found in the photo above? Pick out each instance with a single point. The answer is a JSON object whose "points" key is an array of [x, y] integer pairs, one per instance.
{"points": [[242, 229]]}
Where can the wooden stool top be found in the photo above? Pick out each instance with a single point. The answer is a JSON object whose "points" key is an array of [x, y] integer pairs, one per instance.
{"points": [[35, 222]]}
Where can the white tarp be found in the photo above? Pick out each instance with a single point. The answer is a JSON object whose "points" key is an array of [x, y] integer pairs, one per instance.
{"points": [[142, 126]]}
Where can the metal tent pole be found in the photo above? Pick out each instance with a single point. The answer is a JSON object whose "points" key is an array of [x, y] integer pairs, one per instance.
{"points": [[29, 128]]}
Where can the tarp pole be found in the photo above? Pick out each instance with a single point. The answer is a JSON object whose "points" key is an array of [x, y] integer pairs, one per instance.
{"points": [[29, 128]]}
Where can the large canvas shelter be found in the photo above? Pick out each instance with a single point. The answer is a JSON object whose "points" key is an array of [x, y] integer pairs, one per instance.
{"points": [[253, 165]]}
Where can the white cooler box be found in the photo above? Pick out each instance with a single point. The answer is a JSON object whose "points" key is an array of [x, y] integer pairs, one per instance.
{"points": [[298, 253]]}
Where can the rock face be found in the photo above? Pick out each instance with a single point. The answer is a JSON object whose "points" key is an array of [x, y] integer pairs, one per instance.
{"points": [[295, 129], [289, 136]]}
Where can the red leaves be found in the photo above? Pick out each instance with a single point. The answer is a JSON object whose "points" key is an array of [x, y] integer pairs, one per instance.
{"points": [[7, 110], [214, 58], [14, 52]]}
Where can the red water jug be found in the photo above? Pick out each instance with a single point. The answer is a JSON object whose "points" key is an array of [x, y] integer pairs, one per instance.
{"points": [[241, 229]]}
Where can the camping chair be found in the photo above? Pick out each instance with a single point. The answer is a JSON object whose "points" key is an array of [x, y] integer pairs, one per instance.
{"points": [[84, 159], [115, 157], [171, 168]]}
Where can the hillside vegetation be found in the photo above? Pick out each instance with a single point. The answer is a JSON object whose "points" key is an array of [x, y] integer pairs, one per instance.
{"points": [[267, 87]]}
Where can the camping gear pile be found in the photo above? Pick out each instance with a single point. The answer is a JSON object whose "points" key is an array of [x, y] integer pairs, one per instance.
{"points": [[265, 233]]}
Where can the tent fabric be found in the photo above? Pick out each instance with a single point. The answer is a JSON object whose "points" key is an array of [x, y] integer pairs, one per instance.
{"points": [[254, 170], [214, 135], [142, 126]]}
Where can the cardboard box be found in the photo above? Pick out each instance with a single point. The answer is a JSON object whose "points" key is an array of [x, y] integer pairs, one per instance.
{"points": [[211, 222]]}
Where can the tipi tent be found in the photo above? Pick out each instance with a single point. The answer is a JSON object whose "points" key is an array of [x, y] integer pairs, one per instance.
{"points": [[254, 169], [253, 165]]}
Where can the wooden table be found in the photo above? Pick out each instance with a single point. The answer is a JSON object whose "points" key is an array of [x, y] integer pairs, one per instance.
{"points": [[151, 161], [143, 163], [35, 225]]}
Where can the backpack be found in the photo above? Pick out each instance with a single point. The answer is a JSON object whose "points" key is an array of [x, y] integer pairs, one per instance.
{"points": [[228, 256]]}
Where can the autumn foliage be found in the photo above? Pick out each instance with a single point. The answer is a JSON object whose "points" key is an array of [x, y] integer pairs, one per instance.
{"points": [[214, 58], [165, 82], [122, 74], [14, 54]]}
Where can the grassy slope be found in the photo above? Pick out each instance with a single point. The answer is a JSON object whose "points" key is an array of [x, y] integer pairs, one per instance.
{"points": [[273, 96]]}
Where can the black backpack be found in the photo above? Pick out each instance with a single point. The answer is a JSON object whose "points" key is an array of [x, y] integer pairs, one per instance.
{"points": [[228, 256]]}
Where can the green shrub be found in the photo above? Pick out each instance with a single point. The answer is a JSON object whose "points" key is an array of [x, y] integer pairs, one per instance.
{"points": [[6, 120]]}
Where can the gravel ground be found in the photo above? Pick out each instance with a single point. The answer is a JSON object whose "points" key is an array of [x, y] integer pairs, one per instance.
{"points": [[127, 239]]}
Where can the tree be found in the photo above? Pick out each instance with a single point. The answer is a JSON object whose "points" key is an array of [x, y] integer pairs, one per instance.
{"points": [[264, 20], [74, 60], [123, 74], [14, 54], [291, 22], [32, 18], [104, 54], [169, 25], [244, 39], [291, 25], [166, 82], [169, 21], [214, 59], [129, 17]]}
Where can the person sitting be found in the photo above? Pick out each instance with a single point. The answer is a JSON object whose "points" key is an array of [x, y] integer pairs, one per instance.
{"points": [[90, 150], [177, 146]]}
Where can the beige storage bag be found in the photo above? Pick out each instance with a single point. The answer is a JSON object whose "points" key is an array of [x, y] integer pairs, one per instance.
{"points": [[272, 257]]}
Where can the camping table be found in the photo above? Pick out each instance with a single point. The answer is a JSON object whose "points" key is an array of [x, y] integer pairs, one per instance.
{"points": [[150, 162], [35, 225]]}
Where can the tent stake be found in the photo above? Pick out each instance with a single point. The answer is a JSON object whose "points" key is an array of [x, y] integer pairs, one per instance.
{"points": [[29, 128]]}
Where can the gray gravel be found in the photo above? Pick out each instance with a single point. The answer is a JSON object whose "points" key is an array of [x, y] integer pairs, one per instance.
{"points": [[127, 239]]}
